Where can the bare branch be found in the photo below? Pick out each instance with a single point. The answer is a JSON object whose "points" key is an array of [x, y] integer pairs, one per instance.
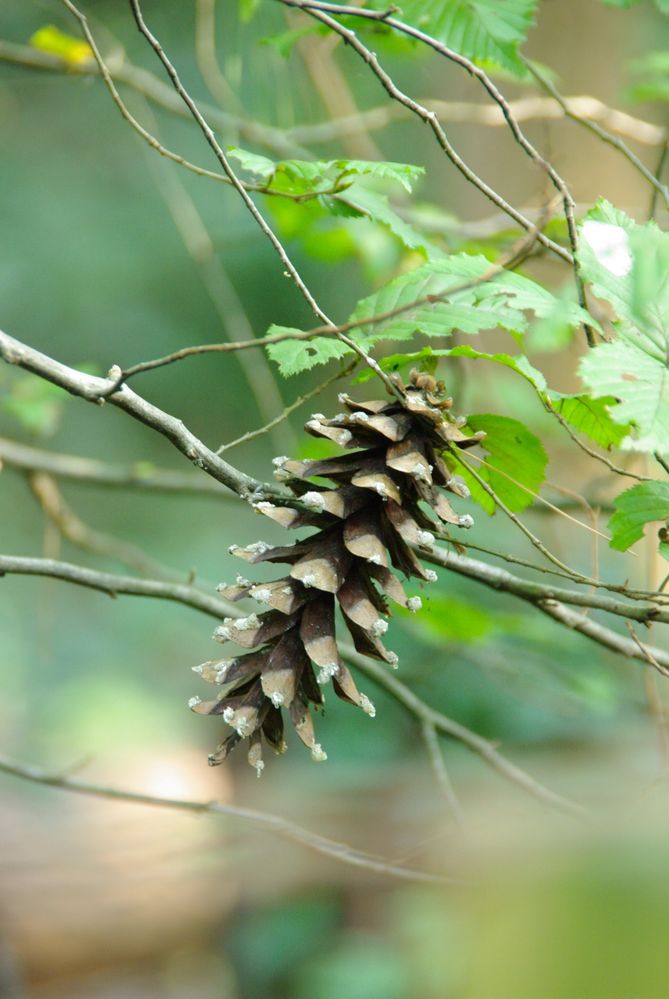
{"points": [[425, 714], [114, 585], [472, 113], [74, 530], [264, 820], [300, 401], [148, 85], [435, 756], [597, 129], [142, 475], [99, 390], [316, 8], [429, 117]]}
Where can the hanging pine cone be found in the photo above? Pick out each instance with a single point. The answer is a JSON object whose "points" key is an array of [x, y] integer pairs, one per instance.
{"points": [[368, 521]]}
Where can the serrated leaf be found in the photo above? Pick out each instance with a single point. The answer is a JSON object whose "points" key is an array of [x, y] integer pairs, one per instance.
{"points": [[71, 50], [260, 166], [483, 30], [515, 459], [473, 305], [405, 174], [295, 356], [640, 383], [591, 417], [628, 266], [375, 206], [643, 504]]}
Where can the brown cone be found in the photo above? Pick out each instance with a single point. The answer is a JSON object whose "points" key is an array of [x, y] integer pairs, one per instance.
{"points": [[368, 521]]}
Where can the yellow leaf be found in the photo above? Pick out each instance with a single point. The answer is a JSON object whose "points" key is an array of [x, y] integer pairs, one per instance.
{"points": [[71, 50]]}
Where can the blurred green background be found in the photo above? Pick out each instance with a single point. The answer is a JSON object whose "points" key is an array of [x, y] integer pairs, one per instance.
{"points": [[107, 900]]}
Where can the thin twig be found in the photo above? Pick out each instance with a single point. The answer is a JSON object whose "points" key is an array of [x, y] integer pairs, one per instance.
{"points": [[516, 255], [274, 823], [256, 214], [612, 140], [236, 325], [424, 713], [77, 532], [151, 139], [550, 408], [435, 756], [252, 434], [532, 538], [430, 118], [647, 653]]}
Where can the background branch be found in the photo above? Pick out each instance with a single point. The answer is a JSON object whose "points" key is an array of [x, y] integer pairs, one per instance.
{"points": [[264, 820]]}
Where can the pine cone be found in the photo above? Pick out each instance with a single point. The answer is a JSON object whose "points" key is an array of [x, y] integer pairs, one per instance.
{"points": [[368, 521]]}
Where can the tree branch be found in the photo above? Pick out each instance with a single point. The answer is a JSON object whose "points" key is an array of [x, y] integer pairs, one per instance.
{"points": [[100, 390], [113, 584], [150, 86], [485, 749], [141, 475], [429, 117], [273, 823], [317, 9], [217, 608]]}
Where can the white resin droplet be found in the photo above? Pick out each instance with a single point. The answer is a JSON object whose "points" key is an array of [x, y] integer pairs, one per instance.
{"points": [[314, 501], [367, 706], [318, 754], [194, 701], [414, 604]]}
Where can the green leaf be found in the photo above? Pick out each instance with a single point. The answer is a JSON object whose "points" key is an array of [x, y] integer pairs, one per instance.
{"points": [[284, 41], [405, 174], [451, 619], [628, 266], [37, 405], [295, 356], [640, 383], [259, 166], [515, 458], [591, 417], [362, 201], [73, 51], [483, 30], [644, 503], [247, 9], [450, 293]]}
